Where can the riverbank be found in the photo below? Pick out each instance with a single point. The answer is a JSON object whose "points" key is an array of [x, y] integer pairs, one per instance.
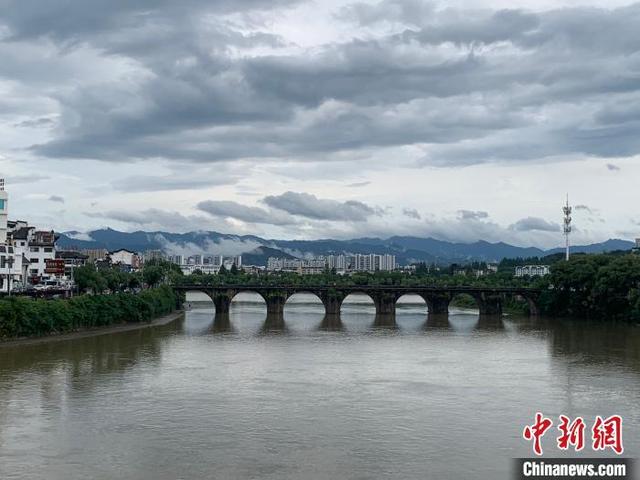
{"points": [[26, 318], [93, 331]]}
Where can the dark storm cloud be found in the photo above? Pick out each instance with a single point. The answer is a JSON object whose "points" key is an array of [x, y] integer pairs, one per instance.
{"points": [[585, 208], [310, 206], [535, 224], [146, 183], [411, 213], [72, 19], [472, 215], [36, 123], [552, 84], [613, 168], [153, 217], [410, 12], [56, 198], [238, 211]]}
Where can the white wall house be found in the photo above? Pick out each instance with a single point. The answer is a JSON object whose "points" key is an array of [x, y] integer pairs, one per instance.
{"points": [[532, 271], [42, 247], [4, 213], [123, 256], [13, 263], [13, 268]]}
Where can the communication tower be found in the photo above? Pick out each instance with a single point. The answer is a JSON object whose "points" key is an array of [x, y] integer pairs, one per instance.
{"points": [[567, 225]]}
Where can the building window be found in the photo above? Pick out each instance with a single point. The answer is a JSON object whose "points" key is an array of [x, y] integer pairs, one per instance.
{"points": [[48, 249], [3, 203], [34, 249]]}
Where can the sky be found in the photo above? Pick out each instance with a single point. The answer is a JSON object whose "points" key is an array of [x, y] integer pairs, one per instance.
{"points": [[460, 120]]}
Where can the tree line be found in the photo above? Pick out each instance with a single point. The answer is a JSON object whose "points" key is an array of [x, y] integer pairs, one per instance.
{"points": [[24, 317], [598, 286], [91, 279]]}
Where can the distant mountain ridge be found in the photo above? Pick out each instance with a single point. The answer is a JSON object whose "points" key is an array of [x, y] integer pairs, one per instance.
{"points": [[256, 250]]}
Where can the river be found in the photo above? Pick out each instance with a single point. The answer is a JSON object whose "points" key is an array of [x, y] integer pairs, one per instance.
{"points": [[441, 399]]}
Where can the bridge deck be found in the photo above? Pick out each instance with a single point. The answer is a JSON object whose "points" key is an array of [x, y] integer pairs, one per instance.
{"points": [[363, 288]]}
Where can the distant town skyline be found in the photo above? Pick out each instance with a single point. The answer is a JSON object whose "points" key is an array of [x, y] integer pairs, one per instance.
{"points": [[461, 120]]}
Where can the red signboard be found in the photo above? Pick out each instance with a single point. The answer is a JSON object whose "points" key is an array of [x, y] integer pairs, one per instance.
{"points": [[54, 266]]}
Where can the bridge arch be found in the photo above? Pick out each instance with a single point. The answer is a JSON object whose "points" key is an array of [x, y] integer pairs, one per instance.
{"points": [[465, 301], [359, 298], [304, 298], [247, 297], [414, 301], [197, 299]]}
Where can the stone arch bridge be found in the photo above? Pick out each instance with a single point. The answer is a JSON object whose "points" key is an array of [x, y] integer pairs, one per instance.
{"points": [[489, 299]]}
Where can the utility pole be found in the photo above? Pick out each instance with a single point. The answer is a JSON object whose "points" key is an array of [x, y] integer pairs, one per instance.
{"points": [[567, 226]]}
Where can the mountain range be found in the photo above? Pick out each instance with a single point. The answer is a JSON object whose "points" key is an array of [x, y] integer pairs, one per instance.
{"points": [[255, 250]]}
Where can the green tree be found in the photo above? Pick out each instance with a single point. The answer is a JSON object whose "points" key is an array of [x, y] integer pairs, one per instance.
{"points": [[152, 274]]}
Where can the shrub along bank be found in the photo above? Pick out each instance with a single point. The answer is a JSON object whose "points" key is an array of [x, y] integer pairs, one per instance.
{"points": [[24, 317]]}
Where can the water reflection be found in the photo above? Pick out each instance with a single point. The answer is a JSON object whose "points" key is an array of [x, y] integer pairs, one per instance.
{"points": [[413, 396], [222, 323], [437, 321], [88, 356], [594, 342], [331, 323], [274, 324], [490, 323], [385, 321]]}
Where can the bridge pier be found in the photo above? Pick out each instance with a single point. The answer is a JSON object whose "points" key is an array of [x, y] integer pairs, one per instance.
{"points": [[332, 301], [489, 304], [534, 311], [222, 302], [275, 303], [385, 303], [438, 304]]}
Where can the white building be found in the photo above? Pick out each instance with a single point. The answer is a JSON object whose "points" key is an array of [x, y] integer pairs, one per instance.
{"points": [[13, 263], [13, 268], [341, 263], [42, 247], [297, 265], [373, 262], [177, 259], [4, 213], [126, 259], [532, 271], [208, 269], [151, 255]]}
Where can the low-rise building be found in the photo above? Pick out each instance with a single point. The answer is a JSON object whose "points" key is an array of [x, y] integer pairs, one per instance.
{"points": [[151, 255], [532, 271], [13, 268], [203, 269], [42, 247], [95, 254], [125, 258], [71, 260]]}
